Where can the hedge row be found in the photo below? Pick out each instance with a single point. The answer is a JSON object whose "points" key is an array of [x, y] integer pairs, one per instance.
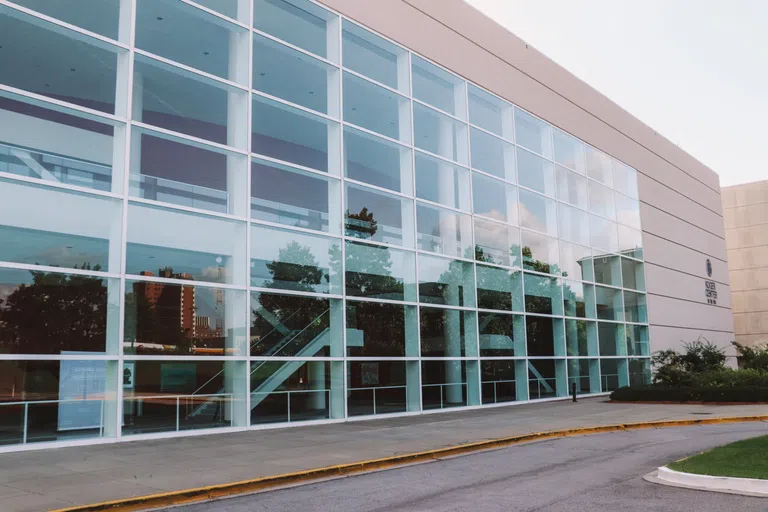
{"points": [[691, 394]]}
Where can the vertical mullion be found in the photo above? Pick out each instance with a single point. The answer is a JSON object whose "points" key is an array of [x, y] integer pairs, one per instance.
{"points": [[342, 240], [248, 179]]}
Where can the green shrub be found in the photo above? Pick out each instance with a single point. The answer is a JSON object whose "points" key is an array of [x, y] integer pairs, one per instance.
{"points": [[678, 369], [691, 394], [754, 357], [729, 377]]}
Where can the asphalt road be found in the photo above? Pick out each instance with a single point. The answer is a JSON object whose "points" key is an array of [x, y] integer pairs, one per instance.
{"points": [[601, 472]]}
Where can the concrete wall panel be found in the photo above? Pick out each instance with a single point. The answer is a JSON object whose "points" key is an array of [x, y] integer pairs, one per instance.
{"points": [[683, 259], [692, 315], [667, 282], [666, 226], [738, 238], [748, 215], [748, 258]]}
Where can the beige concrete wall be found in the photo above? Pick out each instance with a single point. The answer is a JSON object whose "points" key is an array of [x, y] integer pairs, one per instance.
{"points": [[681, 207], [745, 210]]}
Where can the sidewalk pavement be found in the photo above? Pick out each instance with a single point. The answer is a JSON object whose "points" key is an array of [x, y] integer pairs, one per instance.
{"points": [[64, 477]]}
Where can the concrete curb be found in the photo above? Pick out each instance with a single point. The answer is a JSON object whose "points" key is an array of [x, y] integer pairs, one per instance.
{"points": [[727, 484], [198, 494]]}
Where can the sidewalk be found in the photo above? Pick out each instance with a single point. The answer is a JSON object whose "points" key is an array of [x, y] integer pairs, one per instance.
{"points": [[49, 479]]}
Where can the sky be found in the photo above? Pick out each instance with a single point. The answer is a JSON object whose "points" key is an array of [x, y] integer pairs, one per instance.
{"points": [[696, 71]]}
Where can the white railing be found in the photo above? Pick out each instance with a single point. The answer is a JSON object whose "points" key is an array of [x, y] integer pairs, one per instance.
{"points": [[545, 385], [295, 391], [604, 379], [463, 385], [373, 389], [189, 401], [495, 384], [178, 192], [25, 404]]}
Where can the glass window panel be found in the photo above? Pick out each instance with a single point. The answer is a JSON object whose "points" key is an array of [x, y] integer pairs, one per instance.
{"points": [[501, 335], [184, 102], [609, 303], [442, 182], [571, 188], [540, 253], [79, 231], [443, 231], [444, 384], [635, 309], [578, 299], [500, 381], [169, 396], [639, 372], [292, 135], [632, 274], [599, 166], [377, 109], [381, 330], [497, 243], [627, 211], [291, 260], [545, 336], [169, 170], [611, 337], [374, 57], [603, 234], [100, 16], [58, 64], [183, 320], [625, 179], [382, 387], [230, 8], [494, 199], [295, 326], [538, 213], [65, 400], [444, 281], [613, 374], [546, 378], [499, 288], [532, 133], [492, 155], [543, 295], [299, 22], [79, 151], [536, 173], [576, 262], [569, 151], [380, 272], [378, 216], [79, 313], [585, 374], [630, 242], [574, 224], [638, 342], [607, 270], [439, 134], [448, 333], [168, 243], [490, 112], [377, 161], [601, 200], [286, 391], [580, 338], [186, 34], [295, 76], [438, 87], [292, 197]]}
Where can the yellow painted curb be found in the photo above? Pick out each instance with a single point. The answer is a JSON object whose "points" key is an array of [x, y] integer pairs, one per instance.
{"points": [[185, 496]]}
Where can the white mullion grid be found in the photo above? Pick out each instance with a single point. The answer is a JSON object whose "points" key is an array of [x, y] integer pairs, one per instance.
{"points": [[377, 134], [92, 38], [375, 82], [416, 235], [124, 228], [174, 357], [342, 199], [58, 357], [445, 256], [472, 249], [224, 19], [290, 104], [192, 140], [200, 75], [294, 47], [496, 177], [292, 165], [388, 245], [297, 229], [427, 202], [183, 282], [378, 188], [248, 214], [441, 157], [294, 293], [440, 111], [62, 106]]}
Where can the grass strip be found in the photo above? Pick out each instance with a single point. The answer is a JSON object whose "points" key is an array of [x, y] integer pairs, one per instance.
{"points": [[742, 459]]}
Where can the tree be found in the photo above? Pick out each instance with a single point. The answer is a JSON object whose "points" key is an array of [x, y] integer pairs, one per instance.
{"points": [[297, 269], [676, 369], [753, 357], [55, 313]]}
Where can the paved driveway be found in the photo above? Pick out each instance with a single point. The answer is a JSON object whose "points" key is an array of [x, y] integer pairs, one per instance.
{"points": [[592, 473]]}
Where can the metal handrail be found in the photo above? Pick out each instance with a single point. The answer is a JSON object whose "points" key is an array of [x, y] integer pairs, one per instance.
{"points": [[374, 388], [495, 383], [26, 404], [538, 382], [288, 393], [442, 403]]}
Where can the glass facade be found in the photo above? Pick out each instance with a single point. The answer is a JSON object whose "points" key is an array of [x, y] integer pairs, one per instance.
{"points": [[262, 213]]}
